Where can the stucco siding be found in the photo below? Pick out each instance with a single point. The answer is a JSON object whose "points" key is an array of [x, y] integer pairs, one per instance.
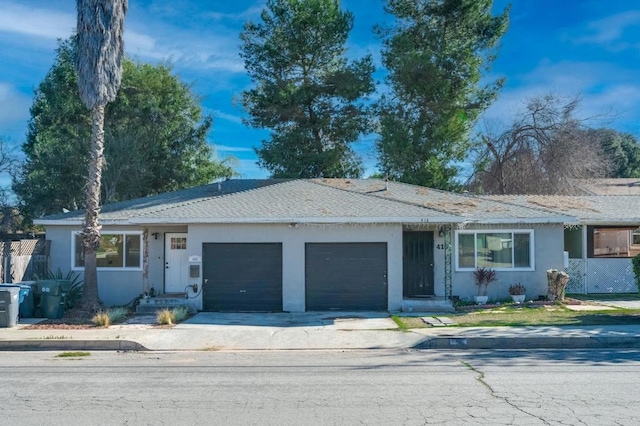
{"points": [[548, 254], [293, 239], [116, 287]]}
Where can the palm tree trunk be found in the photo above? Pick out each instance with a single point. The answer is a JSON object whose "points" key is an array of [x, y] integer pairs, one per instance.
{"points": [[91, 230]]}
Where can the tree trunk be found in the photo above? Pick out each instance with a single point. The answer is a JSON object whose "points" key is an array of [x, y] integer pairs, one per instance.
{"points": [[91, 229], [557, 281]]}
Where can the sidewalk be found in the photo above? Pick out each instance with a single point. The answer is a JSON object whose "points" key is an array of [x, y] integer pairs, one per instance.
{"points": [[308, 331]]}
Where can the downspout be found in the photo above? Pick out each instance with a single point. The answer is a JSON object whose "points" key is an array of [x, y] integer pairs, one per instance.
{"points": [[585, 259], [145, 260]]}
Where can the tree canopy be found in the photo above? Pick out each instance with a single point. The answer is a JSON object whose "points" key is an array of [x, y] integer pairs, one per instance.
{"points": [[622, 150], [305, 90], [435, 53], [155, 139]]}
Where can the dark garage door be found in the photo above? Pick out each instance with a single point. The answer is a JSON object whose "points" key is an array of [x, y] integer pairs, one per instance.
{"points": [[243, 277], [346, 276]]}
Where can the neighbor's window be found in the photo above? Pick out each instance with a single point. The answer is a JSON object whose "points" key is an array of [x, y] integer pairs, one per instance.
{"points": [[613, 242], [118, 250], [502, 249]]}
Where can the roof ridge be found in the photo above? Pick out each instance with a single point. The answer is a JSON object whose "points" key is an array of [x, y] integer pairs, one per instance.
{"points": [[375, 195], [203, 199], [537, 207]]}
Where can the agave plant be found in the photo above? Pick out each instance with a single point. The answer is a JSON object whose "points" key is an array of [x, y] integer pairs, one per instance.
{"points": [[75, 293]]}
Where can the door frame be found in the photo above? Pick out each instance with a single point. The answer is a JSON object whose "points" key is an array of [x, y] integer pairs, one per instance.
{"points": [[424, 268], [182, 265]]}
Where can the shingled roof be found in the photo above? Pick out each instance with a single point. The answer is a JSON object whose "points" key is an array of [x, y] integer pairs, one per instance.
{"points": [[588, 209], [311, 201]]}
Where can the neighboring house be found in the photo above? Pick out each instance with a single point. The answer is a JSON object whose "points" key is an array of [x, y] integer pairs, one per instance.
{"points": [[602, 242], [608, 186], [313, 245]]}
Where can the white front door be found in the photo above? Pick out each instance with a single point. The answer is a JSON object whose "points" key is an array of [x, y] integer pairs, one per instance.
{"points": [[176, 263]]}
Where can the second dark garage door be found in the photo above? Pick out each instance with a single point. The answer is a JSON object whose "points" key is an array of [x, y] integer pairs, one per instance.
{"points": [[346, 276], [242, 277]]}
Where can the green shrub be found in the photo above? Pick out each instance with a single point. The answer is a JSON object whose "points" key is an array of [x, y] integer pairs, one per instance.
{"points": [[117, 314], [180, 313], [636, 269]]}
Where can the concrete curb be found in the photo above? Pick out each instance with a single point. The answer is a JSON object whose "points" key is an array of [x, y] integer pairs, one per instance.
{"points": [[574, 342], [70, 345], [437, 343]]}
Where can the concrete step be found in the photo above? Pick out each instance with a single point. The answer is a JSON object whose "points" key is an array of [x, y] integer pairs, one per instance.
{"points": [[431, 304], [154, 304]]}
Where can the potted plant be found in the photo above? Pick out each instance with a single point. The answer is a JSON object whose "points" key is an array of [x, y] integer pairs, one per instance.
{"points": [[517, 292], [483, 277]]}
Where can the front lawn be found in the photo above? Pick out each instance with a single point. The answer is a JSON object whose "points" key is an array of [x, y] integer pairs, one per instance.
{"points": [[534, 315]]}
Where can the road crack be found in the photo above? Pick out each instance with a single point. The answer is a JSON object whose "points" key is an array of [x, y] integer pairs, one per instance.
{"points": [[481, 378]]}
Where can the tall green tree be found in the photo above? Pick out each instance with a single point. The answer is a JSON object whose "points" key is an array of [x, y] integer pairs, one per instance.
{"points": [[155, 139], [435, 53], [622, 150], [99, 66], [305, 90]]}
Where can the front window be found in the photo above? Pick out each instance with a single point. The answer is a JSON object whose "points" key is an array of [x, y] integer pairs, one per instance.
{"points": [[503, 249], [116, 250]]}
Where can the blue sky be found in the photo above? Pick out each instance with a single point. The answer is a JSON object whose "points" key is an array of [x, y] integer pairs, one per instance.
{"points": [[589, 48]]}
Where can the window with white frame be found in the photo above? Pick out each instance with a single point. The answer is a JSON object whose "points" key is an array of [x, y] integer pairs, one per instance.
{"points": [[116, 250], [496, 249]]}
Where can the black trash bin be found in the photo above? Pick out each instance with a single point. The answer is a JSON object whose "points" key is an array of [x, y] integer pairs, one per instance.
{"points": [[51, 301], [9, 306]]}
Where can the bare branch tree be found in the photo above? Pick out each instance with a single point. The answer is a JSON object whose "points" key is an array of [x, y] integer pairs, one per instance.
{"points": [[542, 152]]}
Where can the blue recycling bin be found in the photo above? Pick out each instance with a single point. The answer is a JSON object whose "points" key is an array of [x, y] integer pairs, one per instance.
{"points": [[23, 289], [27, 306]]}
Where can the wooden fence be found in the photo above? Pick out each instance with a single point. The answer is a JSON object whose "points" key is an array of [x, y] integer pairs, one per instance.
{"points": [[24, 260]]}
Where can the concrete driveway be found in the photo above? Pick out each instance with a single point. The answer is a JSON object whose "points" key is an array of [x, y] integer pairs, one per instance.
{"points": [[327, 320]]}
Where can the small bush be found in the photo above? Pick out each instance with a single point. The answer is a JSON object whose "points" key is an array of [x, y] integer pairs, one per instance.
{"points": [[110, 316], [172, 316], [101, 319], [117, 314], [164, 317], [180, 313], [517, 289]]}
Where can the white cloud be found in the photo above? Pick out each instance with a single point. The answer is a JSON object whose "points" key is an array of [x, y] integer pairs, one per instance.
{"points": [[609, 31], [184, 47], [14, 106], [38, 22], [251, 12], [248, 169], [227, 148], [227, 117], [607, 91]]}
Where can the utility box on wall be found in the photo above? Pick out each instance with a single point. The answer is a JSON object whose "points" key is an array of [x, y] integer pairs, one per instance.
{"points": [[195, 262]]}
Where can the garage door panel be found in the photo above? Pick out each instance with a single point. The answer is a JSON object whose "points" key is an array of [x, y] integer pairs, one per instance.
{"points": [[242, 277], [346, 276]]}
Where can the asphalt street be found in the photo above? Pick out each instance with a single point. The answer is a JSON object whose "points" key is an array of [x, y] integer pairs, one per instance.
{"points": [[401, 387]]}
